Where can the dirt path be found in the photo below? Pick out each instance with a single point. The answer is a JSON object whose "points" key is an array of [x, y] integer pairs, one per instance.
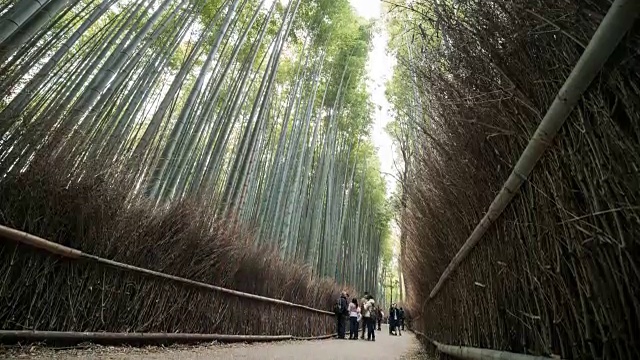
{"points": [[386, 347]]}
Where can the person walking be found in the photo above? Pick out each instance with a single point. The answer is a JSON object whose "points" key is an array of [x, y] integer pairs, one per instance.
{"points": [[341, 310], [402, 318], [354, 314], [369, 309]]}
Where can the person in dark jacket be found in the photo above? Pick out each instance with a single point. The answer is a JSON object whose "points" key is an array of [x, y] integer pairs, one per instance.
{"points": [[401, 317], [379, 316], [341, 312], [394, 320], [392, 329]]}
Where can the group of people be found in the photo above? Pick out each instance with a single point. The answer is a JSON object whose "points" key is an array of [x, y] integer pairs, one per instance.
{"points": [[364, 314]]}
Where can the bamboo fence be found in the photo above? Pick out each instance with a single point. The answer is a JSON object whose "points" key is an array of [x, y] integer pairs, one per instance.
{"points": [[64, 251], [556, 274], [614, 26]]}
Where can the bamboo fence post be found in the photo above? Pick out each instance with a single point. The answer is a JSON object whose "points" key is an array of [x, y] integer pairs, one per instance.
{"points": [[614, 26]]}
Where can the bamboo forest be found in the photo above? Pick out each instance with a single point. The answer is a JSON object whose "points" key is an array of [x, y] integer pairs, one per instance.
{"points": [[278, 173]]}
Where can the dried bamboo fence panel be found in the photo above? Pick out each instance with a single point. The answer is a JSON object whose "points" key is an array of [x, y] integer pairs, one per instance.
{"points": [[557, 273], [52, 293]]}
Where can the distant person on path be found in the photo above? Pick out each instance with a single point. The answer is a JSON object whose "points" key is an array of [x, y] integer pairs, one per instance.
{"points": [[396, 320], [393, 320], [363, 301], [402, 318], [380, 316], [369, 320], [341, 310], [390, 320], [354, 314]]}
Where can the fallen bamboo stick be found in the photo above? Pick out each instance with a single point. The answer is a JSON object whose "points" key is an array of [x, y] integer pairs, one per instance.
{"points": [[612, 29], [472, 353], [64, 251], [311, 338]]}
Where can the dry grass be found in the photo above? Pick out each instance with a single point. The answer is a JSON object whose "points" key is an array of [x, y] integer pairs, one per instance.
{"points": [[558, 272], [96, 215]]}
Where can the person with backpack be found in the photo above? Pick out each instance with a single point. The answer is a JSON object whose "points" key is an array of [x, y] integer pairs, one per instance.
{"points": [[363, 301], [341, 310], [374, 315], [369, 320]]}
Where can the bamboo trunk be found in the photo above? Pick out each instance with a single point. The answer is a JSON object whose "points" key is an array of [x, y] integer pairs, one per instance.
{"points": [[18, 15]]}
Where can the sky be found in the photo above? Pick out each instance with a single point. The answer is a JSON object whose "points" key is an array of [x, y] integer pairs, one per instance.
{"points": [[379, 71]]}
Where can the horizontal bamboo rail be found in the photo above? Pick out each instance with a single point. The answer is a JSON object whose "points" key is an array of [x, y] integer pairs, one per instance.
{"points": [[471, 353], [614, 26], [29, 335], [21, 335], [67, 252]]}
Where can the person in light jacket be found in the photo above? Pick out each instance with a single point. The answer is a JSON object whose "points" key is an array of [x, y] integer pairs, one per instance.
{"points": [[368, 317], [363, 301], [354, 314]]}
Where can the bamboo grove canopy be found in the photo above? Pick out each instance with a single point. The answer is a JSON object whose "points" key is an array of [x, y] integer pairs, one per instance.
{"points": [[257, 109]]}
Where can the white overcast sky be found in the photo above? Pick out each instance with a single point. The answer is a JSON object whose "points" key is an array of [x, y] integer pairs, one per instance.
{"points": [[379, 70]]}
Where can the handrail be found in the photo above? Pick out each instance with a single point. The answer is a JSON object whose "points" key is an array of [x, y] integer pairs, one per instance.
{"points": [[64, 251], [613, 27]]}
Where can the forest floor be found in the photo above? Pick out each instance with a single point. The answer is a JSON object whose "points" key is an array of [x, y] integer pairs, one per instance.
{"points": [[387, 347]]}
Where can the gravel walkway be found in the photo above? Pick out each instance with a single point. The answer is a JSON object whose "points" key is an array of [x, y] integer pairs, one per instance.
{"points": [[385, 347]]}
